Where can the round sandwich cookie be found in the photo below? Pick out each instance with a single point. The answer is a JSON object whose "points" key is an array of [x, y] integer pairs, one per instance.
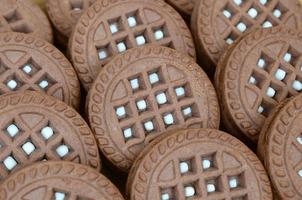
{"points": [[28, 63], [24, 17], [198, 164], [58, 180], [110, 27], [183, 6], [280, 147], [64, 14], [218, 23], [144, 92], [36, 127], [263, 69]]}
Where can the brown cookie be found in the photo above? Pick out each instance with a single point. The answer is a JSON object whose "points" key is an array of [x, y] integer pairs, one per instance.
{"points": [[280, 147], [198, 164], [37, 127], [218, 23], [24, 17], [58, 180], [144, 92], [110, 27], [261, 70], [64, 14], [28, 63], [183, 6]]}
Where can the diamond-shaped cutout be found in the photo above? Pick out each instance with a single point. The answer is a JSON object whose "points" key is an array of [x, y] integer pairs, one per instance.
{"points": [[209, 162], [253, 12], [161, 98], [47, 132], [190, 190], [12, 130], [236, 181], [10, 162], [45, 82], [168, 193], [30, 68], [168, 119], [104, 52], [115, 25], [128, 133], [60, 195], [213, 185], [279, 11], [186, 166], [297, 85], [28, 147], [149, 126], [63, 150], [142, 105], [13, 82], [280, 74]]}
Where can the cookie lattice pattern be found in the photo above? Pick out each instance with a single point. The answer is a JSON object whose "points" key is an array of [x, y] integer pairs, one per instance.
{"points": [[130, 30], [241, 15], [24, 74], [276, 77], [20, 144], [155, 104], [13, 20], [203, 176]]}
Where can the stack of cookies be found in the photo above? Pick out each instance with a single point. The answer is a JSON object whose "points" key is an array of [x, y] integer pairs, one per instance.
{"points": [[151, 100]]}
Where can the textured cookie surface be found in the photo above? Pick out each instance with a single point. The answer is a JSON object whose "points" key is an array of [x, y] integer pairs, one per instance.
{"points": [[280, 147], [24, 17], [198, 164], [218, 23], [110, 27], [36, 127], [144, 92], [28, 63], [64, 14], [58, 180], [262, 69]]}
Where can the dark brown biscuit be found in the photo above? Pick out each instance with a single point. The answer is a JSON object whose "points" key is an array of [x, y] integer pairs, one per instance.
{"points": [[58, 180], [64, 14], [110, 27], [25, 17], [280, 147], [37, 127], [261, 70], [28, 63], [183, 6], [198, 164], [144, 92], [217, 23]]}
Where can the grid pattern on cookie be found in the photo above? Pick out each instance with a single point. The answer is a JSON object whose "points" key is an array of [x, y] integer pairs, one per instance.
{"points": [[24, 74], [203, 176], [131, 30], [276, 77], [155, 103], [14, 21], [241, 15], [20, 144]]}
